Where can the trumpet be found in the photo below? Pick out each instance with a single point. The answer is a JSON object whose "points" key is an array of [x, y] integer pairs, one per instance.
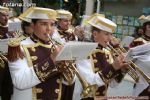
{"points": [[88, 90], [68, 70], [133, 68]]}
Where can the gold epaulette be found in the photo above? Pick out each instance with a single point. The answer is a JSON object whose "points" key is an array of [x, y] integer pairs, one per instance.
{"points": [[137, 42], [14, 50], [140, 40]]}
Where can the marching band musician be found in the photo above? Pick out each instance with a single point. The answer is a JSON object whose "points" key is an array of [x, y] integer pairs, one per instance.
{"points": [[32, 61], [142, 88], [64, 31], [26, 26], [4, 16], [6, 87], [3, 22], [146, 28], [64, 34], [111, 70]]}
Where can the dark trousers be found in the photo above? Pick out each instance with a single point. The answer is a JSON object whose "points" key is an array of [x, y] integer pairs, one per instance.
{"points": [[146, 92]]}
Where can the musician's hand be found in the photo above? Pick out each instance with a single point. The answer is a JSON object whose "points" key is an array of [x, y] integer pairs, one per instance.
{"points": [[79, 32], [12, 34], [119, 62], [56, 52]]}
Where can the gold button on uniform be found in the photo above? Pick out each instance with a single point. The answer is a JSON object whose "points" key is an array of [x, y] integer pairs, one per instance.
{"points": [[58, 80], [57, 90]]}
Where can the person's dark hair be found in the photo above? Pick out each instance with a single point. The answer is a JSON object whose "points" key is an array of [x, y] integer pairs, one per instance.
{"points": [[144, 25], [24, 24], [137, 28], [34, 20], [136, 32], [94, 29]]}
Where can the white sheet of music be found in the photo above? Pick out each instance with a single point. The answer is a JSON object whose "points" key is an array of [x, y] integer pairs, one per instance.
{"points": [[144, 64], [14, 25], [76, 50], [126, 41], [142, 55], [4, 45], [138, 51]]}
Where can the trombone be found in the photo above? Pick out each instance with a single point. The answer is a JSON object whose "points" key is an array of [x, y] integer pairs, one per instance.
{"points": [[133, 67], [88, 89]]}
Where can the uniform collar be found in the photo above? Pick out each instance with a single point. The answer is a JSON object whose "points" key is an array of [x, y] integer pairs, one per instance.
{"points": [[36, 39], [147, 38], [100, 47], [3, 25]]}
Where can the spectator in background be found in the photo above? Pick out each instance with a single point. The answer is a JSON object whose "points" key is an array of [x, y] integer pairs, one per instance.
{"points": [[146, 30], [3, 22], [27, 29], [6, 87], [138, 32]]}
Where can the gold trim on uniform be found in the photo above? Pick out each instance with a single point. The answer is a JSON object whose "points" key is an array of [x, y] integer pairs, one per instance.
{"points": [[34, 94], [109, 74], [45, 66], [96, 69], [28, 56], [108, 56], [39, 90], [97, 50], [93, 54], [91, 58], [57, 91], [94, 61], [42, 75], [34, 58], [58, 80], [25, 47], [60, 88], [33, 49]]}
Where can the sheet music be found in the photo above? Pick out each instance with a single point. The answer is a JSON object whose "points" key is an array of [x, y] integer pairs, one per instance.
{"points": [[126, 41], [76, 50], [144, 64], [142, 56], [4, 45], [14, 25], [138, 51]]}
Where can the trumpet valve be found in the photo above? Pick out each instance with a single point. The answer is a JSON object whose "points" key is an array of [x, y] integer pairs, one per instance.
{"points": [[89, 90]]}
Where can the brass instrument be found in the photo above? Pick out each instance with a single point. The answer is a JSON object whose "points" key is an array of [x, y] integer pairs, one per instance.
{"points": [[68, 70], [88, 90], [133, 67], [131, 71]]}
